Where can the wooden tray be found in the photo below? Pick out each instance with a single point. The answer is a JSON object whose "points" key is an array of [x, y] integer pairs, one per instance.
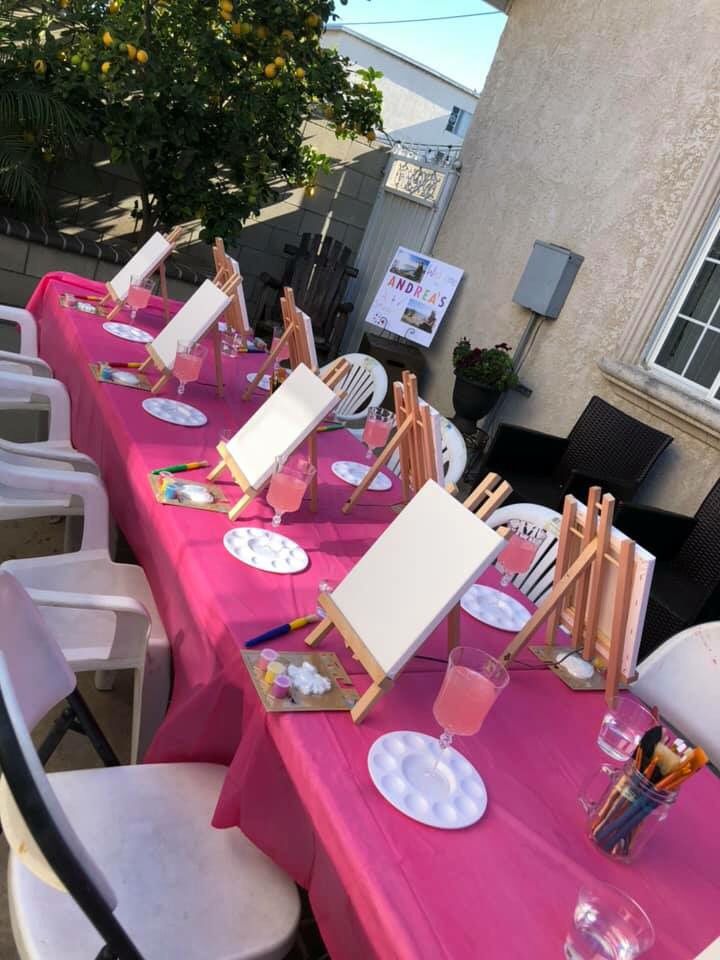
{"points": [[341, 696], [221, 504], [143, 385]]}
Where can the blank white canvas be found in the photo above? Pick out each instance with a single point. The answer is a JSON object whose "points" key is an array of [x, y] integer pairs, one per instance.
{"points": [[436, 430], [281, 424], [240, 294], [414, 574], [312, 351], [148, 258], [191, 322]]}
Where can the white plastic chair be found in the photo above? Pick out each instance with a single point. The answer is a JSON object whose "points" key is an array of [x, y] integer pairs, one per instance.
{"points": [[28, 328], [37, 391], [682, 678], [101, 613], [542, 525], [364, 385], [160, 882]]}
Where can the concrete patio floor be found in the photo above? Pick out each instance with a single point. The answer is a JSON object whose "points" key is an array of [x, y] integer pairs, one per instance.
{"points": [[112, 710]]}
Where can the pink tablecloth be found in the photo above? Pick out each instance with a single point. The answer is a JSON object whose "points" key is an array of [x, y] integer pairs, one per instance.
{"points": [[382, 886]]}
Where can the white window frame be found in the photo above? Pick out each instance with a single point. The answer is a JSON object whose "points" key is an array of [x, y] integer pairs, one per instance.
{"points": [[672, 313]]}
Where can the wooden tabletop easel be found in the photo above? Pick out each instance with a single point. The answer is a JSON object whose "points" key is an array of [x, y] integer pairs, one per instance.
{"points": [[190, 323], [297, 335], [150, 257], [418, 439], [236, 315], [591, 595]]}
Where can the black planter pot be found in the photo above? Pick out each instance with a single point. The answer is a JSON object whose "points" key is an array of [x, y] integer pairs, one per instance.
{"points": [[472, 401]]}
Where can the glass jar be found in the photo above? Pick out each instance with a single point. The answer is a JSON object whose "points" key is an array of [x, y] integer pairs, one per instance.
{"points": [[626, 813]]}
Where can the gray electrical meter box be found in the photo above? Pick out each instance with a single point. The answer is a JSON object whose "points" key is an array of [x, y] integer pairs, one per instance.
{"points": [[547, 278]]}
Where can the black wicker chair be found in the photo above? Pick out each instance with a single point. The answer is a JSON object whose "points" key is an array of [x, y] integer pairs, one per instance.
{"points": [[318, 271], [605, 447], [686, 584]]}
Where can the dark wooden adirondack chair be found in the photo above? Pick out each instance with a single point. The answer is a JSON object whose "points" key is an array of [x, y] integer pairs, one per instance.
{"points": [[318, 272]]}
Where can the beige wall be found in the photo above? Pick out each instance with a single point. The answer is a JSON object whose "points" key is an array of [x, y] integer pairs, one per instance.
{"points": [[593, 127]]}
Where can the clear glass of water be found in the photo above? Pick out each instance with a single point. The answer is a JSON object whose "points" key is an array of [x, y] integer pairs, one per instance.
{"points": [[608, 925], [622, 728]]}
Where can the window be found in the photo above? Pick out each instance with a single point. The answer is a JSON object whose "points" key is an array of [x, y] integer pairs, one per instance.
{"points": [[458, 122], [688, 349]]}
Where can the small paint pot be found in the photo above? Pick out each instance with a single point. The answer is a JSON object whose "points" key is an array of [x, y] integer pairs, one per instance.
{"points": [[281, 686], [170, 491], [265, 659], [106, 373], [274, 670]]}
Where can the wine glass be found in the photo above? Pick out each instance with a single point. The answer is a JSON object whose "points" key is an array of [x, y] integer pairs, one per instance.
{"points": [[516, 557], [473, 681], [378, 428], [188, 361], [139, 293], [608, 925], [288, 485]]}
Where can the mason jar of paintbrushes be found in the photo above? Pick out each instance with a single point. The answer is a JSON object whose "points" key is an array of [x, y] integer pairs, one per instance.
{"points": [[639, 796]]}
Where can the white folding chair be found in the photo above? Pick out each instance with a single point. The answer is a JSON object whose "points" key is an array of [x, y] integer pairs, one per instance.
{"points": [[102, 613], [542, 526], [363, 386], [160, 882], [25, 321], [682, 679], [453, 452]]}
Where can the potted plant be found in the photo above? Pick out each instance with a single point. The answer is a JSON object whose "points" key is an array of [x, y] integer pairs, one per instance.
{"points": [[481, 375]]}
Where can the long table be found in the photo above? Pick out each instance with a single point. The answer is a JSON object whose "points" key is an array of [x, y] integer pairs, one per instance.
{"points": [[382, 886]]}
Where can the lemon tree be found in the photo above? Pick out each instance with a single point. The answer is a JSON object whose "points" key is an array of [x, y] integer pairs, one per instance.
{"points": [[206, 101]]}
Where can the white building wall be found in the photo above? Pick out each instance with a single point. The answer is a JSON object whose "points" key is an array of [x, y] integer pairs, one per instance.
{"points": [[416, 104]]}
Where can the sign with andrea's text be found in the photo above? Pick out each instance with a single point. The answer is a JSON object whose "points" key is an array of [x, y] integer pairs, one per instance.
{"points": [[414, 296]]}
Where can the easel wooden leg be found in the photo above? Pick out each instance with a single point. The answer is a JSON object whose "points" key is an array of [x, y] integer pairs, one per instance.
{"points": [[367, 701], [161, 383], [376, 467], [453, 622], [320, 631], [144, 365], [116, 310], [216, 470], [241, 504], [164, 292]]}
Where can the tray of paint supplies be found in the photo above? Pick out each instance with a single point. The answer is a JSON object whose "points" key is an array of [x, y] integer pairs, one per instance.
{"points": [[176, 491], [300, 682]]}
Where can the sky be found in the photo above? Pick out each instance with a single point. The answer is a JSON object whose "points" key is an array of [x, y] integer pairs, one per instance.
{"points": [[461, 49]]}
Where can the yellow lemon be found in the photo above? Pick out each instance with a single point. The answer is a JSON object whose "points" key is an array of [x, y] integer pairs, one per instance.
{"points": [[131, 51], [300, 73], [105, 68], [312, 20], [279, 62], [270, 71], [225, 15], [236, 29], [226, 5], [142, 57], [112, 7], [287, 34], [40, 66], [245, 28], [64, 4], [262, 32], [107, 38]]}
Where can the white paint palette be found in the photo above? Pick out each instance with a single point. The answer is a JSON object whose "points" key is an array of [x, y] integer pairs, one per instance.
{"points": [[173, 411], [126, 332], [354, 473], [399, 764], [264, 382], [265, 550], [494, 608]]}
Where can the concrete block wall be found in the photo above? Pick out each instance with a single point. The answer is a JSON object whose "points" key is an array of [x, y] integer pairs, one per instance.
{"points": [[93, 199]]}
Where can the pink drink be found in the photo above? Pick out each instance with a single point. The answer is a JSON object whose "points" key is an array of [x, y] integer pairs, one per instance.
{"points": [[138, 297], [376, 433], [464, 701], [285, 492], [518, 555], [187, 367]]}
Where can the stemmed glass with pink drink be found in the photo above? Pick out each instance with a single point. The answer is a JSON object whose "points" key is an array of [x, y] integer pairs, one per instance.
{"points": [[139, 293], [517, 557], [378, 427], [188, 362], [473, 681], [288, 485]]}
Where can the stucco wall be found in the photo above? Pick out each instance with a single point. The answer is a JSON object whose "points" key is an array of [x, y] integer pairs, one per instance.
{"points": [[591, 131], [416, 104]]}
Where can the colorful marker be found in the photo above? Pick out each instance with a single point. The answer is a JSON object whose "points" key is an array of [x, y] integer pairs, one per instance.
{"points": [[281, 631], [182, 467]]}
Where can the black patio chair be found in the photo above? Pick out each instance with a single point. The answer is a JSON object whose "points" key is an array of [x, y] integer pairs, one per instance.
{"points": [[606, 447], [318, 272], [685, 589]]}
